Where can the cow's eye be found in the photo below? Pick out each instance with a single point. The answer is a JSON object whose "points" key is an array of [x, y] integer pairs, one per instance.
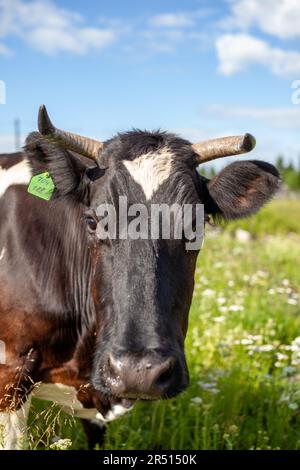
{"points": [[91, 223]]}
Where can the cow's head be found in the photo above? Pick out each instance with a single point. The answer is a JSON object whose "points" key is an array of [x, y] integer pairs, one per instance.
{"points": [[142, 288]]}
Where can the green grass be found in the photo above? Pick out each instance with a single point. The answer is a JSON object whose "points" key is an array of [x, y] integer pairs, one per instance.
{"points": [[279, 217], [242, 351]]}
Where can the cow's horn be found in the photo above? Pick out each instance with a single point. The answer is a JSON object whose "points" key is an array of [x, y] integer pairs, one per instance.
{"points": [[223, 147], [83, 145]]}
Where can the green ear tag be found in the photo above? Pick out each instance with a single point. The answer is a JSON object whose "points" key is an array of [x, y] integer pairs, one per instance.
{"points": [[42, 186]]}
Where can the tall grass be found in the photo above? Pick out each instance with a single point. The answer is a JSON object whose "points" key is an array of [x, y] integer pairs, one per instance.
{"points": [[243, 351]]}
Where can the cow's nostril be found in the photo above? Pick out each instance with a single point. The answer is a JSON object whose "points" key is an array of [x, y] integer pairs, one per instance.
{"points": [[165, 376]]}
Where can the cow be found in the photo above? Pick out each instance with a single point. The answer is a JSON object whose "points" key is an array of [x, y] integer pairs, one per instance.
{"points": [[97, 324]]}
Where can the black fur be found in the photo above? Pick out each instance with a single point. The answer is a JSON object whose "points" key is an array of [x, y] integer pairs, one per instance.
{"points": [[143, 289], [241, 188], [77, 301], [95, 433]]}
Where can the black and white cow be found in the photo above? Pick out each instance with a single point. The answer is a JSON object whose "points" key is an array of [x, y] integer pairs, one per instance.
{"points": [[97, 324]]}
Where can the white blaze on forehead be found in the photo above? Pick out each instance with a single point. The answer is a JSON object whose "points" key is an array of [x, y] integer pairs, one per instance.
{"points": [[151, 170], [17, 174]]}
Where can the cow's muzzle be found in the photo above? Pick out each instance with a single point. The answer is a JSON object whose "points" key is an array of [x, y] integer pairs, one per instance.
{"points": [[148, 377]]}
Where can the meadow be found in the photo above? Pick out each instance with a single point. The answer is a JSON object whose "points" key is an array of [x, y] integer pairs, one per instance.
{"points": [[243, 351]]}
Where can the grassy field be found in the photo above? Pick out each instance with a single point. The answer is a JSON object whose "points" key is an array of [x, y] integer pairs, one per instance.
{"points": [[243, 351]]}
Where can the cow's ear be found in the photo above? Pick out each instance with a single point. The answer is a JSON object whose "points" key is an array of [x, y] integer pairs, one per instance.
{"points": [[241, 189], [67, 171]]}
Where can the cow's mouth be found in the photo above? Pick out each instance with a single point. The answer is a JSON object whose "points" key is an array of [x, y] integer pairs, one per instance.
{"points": [[129, 399]]}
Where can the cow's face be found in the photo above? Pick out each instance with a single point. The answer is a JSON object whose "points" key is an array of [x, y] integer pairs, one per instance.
{"points": [[142, 288]]}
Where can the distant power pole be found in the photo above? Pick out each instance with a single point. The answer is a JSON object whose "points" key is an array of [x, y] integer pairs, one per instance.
{"points": [[17, 127]]}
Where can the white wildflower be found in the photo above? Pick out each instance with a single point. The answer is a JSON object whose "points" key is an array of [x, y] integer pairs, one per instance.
{"points": [[261, 273], [207, 385], [223, 309], [246, 341], [219, 264], [295, 362], [279, 364], [264, 348], [61, 444], [280, 290], [255, 337], [219, 319], [281, 357], [236, 308], [293, 406], [208, 292], [296, 341], [196, 400], [284, 398]]}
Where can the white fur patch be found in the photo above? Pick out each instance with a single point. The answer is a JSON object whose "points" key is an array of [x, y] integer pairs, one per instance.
{"points": [[66, 397], [17, 174], [2, 253], [150, 170], [116, 412], [13, 426]]}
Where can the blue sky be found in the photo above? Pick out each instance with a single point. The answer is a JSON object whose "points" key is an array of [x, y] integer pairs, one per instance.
{"points": [[199, 68]]}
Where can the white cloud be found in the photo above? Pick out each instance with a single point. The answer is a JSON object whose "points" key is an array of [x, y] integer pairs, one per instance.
{"points": [[237, 51], [167, 31], [51, 40], [280, 18], [239, 48], [173, 20], [50, 28], [283, 118]]}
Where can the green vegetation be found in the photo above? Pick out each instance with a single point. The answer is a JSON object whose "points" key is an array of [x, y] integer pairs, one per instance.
{"points": [[290, 174], [281, 217], [243, 351]]}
